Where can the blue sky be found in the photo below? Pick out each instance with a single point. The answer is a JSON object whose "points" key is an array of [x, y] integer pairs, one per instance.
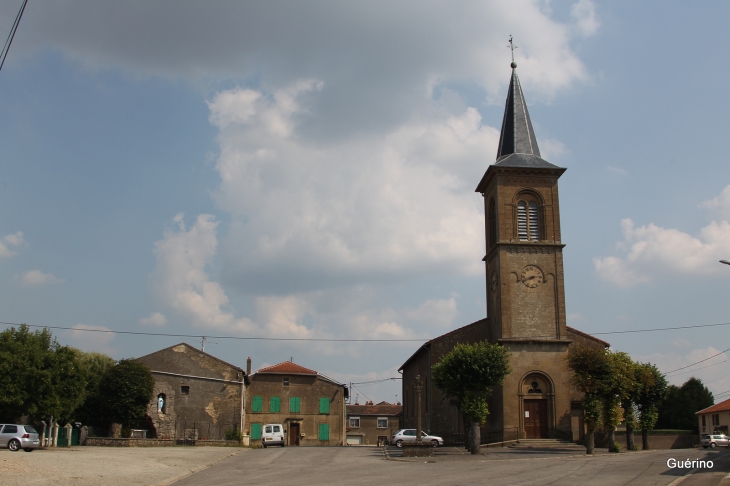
{"points": [[299, 169]]}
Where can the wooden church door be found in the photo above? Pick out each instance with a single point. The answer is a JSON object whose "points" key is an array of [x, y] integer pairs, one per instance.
{"points": [[536, 419]]}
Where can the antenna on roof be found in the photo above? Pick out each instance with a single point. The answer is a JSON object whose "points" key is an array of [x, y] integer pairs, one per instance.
{"points": [[202, 343]]}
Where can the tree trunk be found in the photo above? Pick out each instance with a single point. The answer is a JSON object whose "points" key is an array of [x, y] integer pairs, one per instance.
{"points": [[612, 439], [590, 440], [645, 439], [475, 438], [467, 432], [629, 437]]}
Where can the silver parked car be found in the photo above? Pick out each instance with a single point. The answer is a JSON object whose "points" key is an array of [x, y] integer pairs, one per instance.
{"points": [[16, 437], [714, 440], [409, 435]]}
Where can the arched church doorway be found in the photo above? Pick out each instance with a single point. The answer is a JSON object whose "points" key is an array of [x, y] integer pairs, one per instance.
{"points": [[536, 398]]}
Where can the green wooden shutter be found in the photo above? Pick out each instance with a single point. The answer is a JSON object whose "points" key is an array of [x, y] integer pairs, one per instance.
{"points": [[324, 432], [255, 431], [275, 404], [295, 404], [257, 404], [324, 405]]}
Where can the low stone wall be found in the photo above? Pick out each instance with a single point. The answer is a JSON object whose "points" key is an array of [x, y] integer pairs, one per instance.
{"points": [[417, 450], [656, 441], [112, 442]]}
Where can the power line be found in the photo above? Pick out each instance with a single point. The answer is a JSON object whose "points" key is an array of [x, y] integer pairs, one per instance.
{"points": [[208, 336], [708, 366], [701, 361], [662, 328], [375, 382], [251, 338], [11, 36]]}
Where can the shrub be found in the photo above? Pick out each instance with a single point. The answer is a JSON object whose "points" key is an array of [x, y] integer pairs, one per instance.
{"points": [[233, 434]]}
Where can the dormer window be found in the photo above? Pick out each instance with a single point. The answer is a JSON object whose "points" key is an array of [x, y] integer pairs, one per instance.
{"points": [[528, 220]]}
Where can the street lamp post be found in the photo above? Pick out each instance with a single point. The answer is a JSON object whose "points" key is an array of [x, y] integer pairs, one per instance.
{"points": [[725, 262]]}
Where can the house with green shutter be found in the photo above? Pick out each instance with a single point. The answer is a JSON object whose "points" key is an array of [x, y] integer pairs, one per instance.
{"points": [[309, 405]]}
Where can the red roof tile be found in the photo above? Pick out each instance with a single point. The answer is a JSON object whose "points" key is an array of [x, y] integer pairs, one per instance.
{"points": [[718, 407], [288, 368]]}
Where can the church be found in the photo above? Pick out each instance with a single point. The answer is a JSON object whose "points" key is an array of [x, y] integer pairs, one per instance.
{"points": [[525, 302]]}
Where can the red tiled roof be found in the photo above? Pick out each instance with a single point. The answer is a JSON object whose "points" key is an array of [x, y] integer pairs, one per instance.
{"points": [[379, 409], [288, 368], [718, 407]]}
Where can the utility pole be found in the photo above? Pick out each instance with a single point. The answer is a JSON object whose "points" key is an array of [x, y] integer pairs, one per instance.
{"points": [[418, 409]]}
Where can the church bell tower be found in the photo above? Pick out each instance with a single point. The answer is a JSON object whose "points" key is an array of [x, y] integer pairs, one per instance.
{"points": [[524, 274]]}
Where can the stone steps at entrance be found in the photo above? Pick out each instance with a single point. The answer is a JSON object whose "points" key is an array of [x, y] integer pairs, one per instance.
{"points": [[543, 443]]}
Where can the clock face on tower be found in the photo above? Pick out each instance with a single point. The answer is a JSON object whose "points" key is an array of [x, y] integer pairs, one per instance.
{"points": [[532, 276]]}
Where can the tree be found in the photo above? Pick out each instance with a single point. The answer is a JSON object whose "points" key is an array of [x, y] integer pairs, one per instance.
{"points": [[618, 387], [38, 377], [125, 390], [96, 364], [677, 410], [590, 369], [468, 374], [650, 391]]}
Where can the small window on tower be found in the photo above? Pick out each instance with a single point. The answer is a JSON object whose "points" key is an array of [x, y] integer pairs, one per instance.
{"points": [[184, 390]]}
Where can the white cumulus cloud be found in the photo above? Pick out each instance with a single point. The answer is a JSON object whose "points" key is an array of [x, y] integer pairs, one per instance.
{"points": [[649, 250], [364, 209], [8, 241], [33, 278], [586, 19], [182, 283]]}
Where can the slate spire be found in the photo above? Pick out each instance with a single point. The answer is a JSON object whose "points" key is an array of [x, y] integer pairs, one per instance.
{"points": [[517, 136]]}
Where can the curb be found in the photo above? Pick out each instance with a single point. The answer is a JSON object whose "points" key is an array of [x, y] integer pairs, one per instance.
{"points": [[174, 479]]}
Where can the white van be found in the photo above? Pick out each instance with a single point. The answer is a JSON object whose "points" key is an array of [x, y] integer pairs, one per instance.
{"points": [[272, 434]]}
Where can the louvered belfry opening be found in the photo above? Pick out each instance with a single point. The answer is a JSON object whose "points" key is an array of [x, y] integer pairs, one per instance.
{"points": [[528, 221]]}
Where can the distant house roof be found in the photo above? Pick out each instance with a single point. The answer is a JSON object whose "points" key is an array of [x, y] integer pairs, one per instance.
{"points": [[382, 409], [287, 368], [718, 407], [587, 336]]}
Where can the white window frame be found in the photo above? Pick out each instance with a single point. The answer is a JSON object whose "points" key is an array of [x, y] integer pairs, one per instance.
{"points": [[386, 422], [354, 426]]}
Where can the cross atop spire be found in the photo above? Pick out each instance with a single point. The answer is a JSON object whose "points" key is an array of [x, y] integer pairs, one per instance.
{"points": [[512, 48]]}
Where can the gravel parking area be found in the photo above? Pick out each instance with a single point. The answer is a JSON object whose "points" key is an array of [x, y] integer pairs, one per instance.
{"points": [[107, 465]]}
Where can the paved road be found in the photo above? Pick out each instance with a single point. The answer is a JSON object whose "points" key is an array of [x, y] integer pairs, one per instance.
{"points": [[368, 465]]}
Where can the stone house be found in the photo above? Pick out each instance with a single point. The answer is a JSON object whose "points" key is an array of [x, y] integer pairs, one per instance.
{"points": [[525, 298], [715, 419], [196, 395], [370, 424], [310, 406]]}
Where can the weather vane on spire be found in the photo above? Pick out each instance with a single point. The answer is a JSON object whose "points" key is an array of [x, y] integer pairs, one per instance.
{"points": [[512, 48]]}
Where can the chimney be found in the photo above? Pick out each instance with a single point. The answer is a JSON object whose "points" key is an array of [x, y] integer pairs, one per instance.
{"points": [[248, 366]]}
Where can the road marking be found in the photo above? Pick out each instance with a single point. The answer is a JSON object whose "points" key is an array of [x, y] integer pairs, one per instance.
{"points": [[681, 478]]}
